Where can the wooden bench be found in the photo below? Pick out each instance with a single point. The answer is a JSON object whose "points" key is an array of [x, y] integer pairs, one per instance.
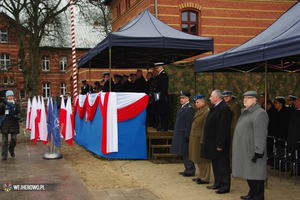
{"points": [[164, 155]]}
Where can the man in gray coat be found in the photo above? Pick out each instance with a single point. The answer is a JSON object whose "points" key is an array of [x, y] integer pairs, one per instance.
{"points": [[180, 140], [249, 146]]}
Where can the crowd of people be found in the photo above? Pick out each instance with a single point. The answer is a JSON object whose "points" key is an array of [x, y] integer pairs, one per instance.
{"points": [[232, 140]]}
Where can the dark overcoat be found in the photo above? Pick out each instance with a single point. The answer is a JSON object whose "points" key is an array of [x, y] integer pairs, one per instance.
{"points": [[86, 89], [217, 132], [10, 125], [196, 136], [182, 130], [249, 138], [118, 86], [294, 130], [161, 85], [278, 124], [106, 86]]}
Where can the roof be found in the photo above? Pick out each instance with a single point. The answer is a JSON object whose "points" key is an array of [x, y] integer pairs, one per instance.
{"points": [[279, 40], [145, 40]]}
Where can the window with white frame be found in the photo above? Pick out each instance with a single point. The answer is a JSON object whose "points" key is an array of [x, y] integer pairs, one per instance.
{"points": [[46, 90], [3, 35], [4, 61], [62, 88], [63, 63], [11, 80], [20, 64], [5, 80], [45, 63], [22, 94]]}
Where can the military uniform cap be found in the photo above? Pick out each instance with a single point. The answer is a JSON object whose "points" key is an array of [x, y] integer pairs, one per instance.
{"points": [[184, 93], [131, 74], [106, 73], [83, 81], [67, 92], [292, 97], [200, 96], [251, 93], [279, 97], [227, 93], [158, 64], [233, 96], [125, 75]]}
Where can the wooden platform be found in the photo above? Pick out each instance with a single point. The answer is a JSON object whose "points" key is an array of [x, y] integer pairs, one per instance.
{"points": [[159, 146]]}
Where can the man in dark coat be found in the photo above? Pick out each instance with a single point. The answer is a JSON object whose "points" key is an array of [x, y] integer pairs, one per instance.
{"points": [[118, 84], [11, 110], [291, 100], [181, 135], [140, 82], [108, 81], [216, 141], [126, 84], [294, 128], [160, 94], [249, 145], [86, 88]]}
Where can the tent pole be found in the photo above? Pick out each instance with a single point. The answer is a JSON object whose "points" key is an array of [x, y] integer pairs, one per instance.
{"points": [[155, 2], [266, 94], [195, 78], [110, 70], [90, 75]]}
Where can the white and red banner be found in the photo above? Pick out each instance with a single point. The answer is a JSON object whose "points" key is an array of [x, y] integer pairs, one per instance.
{"points": [[114, 108]]}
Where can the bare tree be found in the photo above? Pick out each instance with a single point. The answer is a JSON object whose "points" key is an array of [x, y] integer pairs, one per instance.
{"points": [[34, 20], [94, 12]]}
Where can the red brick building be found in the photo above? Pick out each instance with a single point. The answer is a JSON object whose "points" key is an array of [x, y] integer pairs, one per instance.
{"points": [[230, 23]]}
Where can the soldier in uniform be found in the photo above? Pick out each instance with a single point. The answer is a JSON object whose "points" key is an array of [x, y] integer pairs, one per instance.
{"points": [[196, 140], [160, 94], [140, 82], [291, 100], [181, 135], [118, 84], [108, 81], [126, 84], [236, 112]]}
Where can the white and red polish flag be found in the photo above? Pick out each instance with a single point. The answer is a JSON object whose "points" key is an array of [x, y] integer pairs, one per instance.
{"points": [[43, 130], [62, 118], [28, 115], [34, 133], [69, 131]]}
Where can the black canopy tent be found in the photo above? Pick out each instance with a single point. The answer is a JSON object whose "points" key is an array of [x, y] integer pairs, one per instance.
{"points": [[143, 41], [279, 45], [276, 49]]}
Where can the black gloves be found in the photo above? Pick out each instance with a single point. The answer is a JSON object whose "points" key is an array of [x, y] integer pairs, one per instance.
{"points": [[256, 155], [187, 139]]}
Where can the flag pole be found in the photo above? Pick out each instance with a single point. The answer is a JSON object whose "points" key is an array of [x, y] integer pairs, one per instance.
{"points": [[73, 51]]}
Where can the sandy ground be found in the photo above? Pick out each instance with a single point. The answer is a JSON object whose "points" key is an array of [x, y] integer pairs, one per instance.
{"points": [[162, 179]]}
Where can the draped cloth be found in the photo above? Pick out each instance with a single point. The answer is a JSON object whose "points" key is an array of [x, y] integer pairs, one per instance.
{"points": [[114, 108]]}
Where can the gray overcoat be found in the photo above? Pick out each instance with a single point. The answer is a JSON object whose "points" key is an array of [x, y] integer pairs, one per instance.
{"points": [[182, 130], [249, 138]]}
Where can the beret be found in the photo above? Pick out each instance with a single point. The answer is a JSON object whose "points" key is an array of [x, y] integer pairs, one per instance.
{"points": [[201, 96]]}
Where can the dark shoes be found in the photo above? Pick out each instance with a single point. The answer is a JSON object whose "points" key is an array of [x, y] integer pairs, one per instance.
{"points": [[201, 182], [222, 191], [186, 174], [3, 158], [196, 179], [246, 197], [12, 154], [213, 187]]}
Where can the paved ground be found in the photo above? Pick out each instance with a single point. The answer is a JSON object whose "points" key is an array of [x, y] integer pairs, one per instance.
{"points": [[79, 175]]}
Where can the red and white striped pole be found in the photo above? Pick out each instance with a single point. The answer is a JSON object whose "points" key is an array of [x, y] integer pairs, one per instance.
{"points": [[73, 51]]}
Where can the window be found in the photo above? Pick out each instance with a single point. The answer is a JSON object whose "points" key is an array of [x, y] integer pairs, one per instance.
{"points": [[22, 94], [20, 64], [46, 90], [11, 80], [189, 22], [4, 62], [62, 88], [5, 80], [127, 4], [63, 63], [45, 63], [3, 35]]}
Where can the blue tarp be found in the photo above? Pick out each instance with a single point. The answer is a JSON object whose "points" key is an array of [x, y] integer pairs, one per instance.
{"points": [[143, 41], [131, 136], [280, 40]]}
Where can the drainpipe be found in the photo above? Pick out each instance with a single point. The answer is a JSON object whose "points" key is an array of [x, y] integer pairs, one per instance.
{"points": [[155, 8]]}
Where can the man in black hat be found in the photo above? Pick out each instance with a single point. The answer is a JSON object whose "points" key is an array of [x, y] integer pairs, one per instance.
{"points": [[126, 84], [140, 82], [118, 84], [86, 87], [160, 94], [108, 82], [181, 135]]}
